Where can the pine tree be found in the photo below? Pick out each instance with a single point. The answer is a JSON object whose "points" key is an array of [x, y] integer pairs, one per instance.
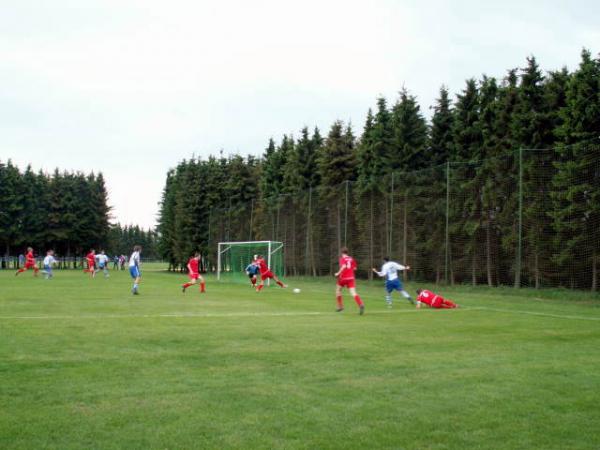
{"points": [[11, 205], [440, 140], [468, 141], [409, 135]]}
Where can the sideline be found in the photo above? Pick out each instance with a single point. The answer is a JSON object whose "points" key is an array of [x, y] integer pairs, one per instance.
{"points": [[207, 315]]}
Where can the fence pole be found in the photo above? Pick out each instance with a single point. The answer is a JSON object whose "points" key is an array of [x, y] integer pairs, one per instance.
{"points": [[391, 219], [447, 246], [308, 231], [519, 224], [346, 216]]}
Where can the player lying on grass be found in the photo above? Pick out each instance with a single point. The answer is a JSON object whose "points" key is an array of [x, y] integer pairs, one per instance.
{"points": [[433, 300], [134, 269], [29, 263], [49, 261], [265, 273], [91, 262], [345, 279], [194, 274], [252, 270], [389, 270]]}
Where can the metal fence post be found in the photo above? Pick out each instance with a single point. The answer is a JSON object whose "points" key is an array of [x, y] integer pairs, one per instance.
{"points": [[518, 261], [447, 246]]}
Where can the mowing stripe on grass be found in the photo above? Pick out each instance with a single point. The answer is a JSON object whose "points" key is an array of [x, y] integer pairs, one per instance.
{"points": [[533, 313]]}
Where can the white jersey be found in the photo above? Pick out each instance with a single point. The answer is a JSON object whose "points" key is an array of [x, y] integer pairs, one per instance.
{"points": [[49, 260], [102, 259], [390, 270], [134, 260]]}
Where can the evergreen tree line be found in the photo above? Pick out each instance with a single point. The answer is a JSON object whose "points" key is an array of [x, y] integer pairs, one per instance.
{"points": [[501, 186], [121, 240], [65, 211]]}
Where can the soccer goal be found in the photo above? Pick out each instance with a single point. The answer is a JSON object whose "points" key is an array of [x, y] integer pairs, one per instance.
{"points": [[234, 257]]}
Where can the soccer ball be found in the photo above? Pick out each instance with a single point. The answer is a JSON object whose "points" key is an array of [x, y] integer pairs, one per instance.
{"points": [[296, 291]]}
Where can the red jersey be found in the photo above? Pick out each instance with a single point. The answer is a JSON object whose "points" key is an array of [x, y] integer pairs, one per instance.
{"points": [[193, 265], [91, 258], [428, 297], [262, 265], [348, 266], [29, 259]]}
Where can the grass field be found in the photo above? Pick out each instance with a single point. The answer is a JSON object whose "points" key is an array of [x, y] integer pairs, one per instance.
{"points": [[84, 364]]}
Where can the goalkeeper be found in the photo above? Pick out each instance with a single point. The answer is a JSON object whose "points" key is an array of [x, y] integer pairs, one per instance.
{"points": [[252, 271], [389, 270]]}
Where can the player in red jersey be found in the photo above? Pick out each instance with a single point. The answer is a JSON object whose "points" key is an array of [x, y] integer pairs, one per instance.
{"points": [[265, 273], [433, 300], [91, 262], [29, 263], [346, 279], [194, 274]]}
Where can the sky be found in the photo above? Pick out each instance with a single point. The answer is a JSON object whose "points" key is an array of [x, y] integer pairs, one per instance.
{"points": [[131, 87]]}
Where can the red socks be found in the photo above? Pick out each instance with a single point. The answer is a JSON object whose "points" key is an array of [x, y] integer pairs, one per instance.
{"points": [[338, 299], [187, 285], [259, 287], [280, 283], [202, 287], [358, 301]]}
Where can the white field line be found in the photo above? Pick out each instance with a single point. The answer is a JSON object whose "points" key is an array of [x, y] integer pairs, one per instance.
{"points": [[202, 315], [534, 313]]}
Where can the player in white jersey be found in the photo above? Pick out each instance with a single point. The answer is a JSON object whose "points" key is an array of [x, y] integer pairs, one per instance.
{"points": [[102, 260], [49, 261], [134, 268], [390, 270]]}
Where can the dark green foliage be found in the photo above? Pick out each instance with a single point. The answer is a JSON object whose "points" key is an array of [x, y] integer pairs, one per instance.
{"points": [[67, 212], [391, 190]]}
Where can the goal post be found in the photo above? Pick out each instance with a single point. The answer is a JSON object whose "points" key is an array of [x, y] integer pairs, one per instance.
{"points": [[234, 257]]}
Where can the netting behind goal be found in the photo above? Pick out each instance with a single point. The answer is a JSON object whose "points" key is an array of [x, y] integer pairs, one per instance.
{"points": [[234, 257]]}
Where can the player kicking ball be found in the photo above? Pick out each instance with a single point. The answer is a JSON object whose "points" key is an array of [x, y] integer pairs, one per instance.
{"points": [[390, 270], [134, 269], [194, 274], [433, 300], [265, 273], [345, 279], [252, 270], [29, 263]]}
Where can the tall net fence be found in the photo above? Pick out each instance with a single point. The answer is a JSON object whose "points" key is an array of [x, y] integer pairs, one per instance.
{"points": [[504, 221]]}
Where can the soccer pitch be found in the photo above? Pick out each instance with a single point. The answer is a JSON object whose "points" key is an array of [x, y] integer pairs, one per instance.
{"points": [[84, 364]]}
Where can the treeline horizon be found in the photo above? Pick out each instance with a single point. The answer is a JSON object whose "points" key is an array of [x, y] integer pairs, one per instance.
{"points": [[64, 211], [488, 120]]}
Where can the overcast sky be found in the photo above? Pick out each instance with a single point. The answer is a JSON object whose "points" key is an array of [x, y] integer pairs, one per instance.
{"points": [[131, 87]]}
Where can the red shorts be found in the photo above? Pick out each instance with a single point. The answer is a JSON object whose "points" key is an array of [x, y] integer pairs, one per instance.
{"points": [[29, 265], [193, 276], [350, 283], [264, 276], [91, 265]]}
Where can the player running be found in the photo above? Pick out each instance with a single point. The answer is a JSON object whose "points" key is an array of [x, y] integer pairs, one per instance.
{"points": [[433, 300], [49, 261], [389, 270], [252, 270], [194, 274], [29, 263], [102, 260], [345, 279], [265, 273], [134, 268], [91, 262]]}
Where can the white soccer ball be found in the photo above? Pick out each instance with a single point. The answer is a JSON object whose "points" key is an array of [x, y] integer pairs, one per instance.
{"points": [[296, 291]]}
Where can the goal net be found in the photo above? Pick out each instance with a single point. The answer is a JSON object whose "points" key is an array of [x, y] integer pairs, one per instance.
{"points": [[234, 257]]}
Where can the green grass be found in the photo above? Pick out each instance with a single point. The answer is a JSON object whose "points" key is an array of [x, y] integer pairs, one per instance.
{"points": [[84, 364]]}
